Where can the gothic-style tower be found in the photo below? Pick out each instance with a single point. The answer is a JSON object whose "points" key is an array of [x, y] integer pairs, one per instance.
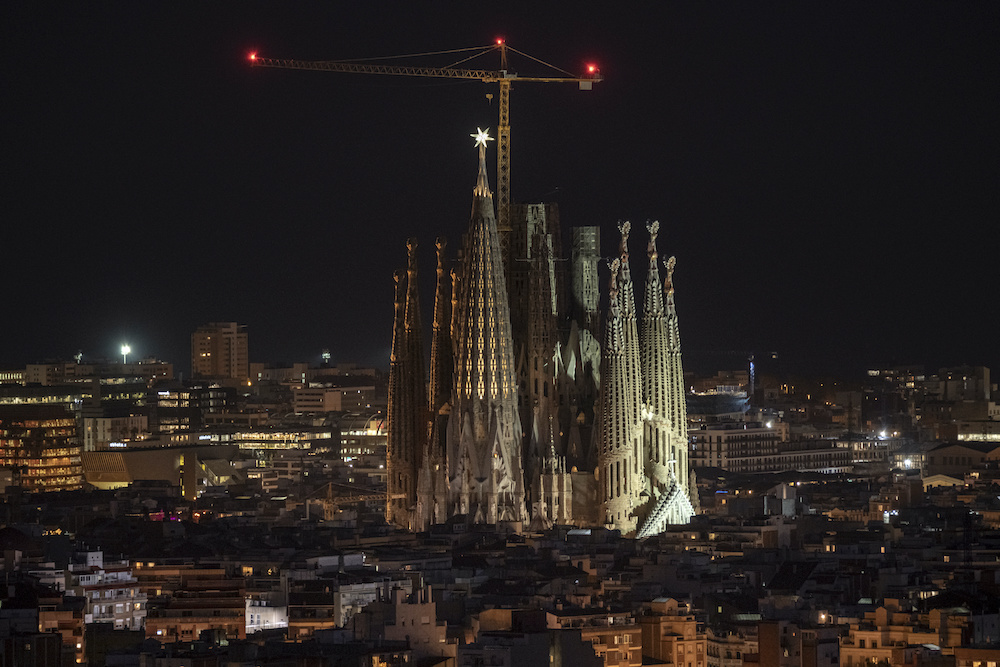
{"points": [[581, 352], [643, 438], [432, 487], [407, 415], [484, 429], [618, 449], [659, 453], [630, 332], [664, 412]]}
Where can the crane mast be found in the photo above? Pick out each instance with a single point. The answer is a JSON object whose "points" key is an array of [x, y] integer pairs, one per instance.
{"points": [[503, 77]]}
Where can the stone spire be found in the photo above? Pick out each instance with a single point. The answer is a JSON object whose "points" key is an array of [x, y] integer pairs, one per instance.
{"points": [[407, 408], [539, 360], [432, 486], [666, 414], [484, 435], [441, 345], [630, 333], [620, 483], [676, 407], [654, 343]]}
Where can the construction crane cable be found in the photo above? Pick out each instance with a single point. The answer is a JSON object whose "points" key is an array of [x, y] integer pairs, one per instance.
{"points": [[481, 49], [472, 57], [538, 60]]}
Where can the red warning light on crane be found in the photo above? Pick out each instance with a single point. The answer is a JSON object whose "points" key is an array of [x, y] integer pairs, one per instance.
{"points": [[592, 69], [499, 40], [253, 56]]}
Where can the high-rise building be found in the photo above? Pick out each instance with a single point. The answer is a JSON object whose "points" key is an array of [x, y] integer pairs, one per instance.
{"points": [[516, 424], [219, 351], [40, 444]]}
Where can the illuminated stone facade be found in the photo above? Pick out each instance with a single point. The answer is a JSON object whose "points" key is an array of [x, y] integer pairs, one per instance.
{"points": [[514, 427], [407, 409], [485, 469], [642, 448]]}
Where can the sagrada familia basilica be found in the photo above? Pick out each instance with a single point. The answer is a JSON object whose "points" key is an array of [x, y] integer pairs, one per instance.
{"points": [[535, 411]]}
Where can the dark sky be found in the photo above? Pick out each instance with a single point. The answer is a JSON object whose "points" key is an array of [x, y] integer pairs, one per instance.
{"points": [[825, 173]]}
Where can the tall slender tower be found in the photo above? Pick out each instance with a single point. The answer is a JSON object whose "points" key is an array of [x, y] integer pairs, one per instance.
{"points": [[484, 429], [432, 487], [618, 449], [407, 437], [659, 452], [630, 331], [581, 352], [665, 413], [538, 372]]}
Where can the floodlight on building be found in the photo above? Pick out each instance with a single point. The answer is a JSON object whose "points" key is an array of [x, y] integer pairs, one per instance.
{"points": [[125, 352]]}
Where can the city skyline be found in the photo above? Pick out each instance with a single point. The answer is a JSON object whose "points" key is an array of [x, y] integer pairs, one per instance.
{"points": [[823, 174]]}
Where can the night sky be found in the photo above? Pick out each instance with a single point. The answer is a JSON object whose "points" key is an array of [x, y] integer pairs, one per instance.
{"points": [[825, 173]]}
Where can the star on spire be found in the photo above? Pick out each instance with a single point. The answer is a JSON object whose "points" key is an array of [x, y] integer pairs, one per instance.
{"points": [[481, 136], [482, 185]]}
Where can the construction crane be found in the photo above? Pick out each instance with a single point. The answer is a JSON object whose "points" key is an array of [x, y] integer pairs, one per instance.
{"points": [[347, 495], [503, 76]]}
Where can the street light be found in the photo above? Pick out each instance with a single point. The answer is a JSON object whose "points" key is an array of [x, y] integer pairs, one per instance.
{"points": [[125, 351]]}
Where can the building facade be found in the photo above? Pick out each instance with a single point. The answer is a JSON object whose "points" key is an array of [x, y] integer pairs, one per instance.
{"points": [[515, 425], [219, 350], [39, 444]]}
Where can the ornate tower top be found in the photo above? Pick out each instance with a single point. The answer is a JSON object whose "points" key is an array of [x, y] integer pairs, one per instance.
{"points": [[441, 243], [668, 286], [482, 183], [624, 227]]}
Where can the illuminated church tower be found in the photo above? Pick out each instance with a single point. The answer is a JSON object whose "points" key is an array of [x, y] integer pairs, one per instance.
{"points": [[642, 450], [432, 477], [485, 469], [526, 418], [664, 413], [407, 408]]}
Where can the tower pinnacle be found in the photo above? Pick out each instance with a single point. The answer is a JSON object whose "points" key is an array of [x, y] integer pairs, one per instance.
{"points": [[482, 183]]}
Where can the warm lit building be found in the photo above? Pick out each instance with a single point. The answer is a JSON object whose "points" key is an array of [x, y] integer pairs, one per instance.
{"points": [[671, 635], [331, 399], [175, 407], [363, 437], [39, 443], [321, 600], [977, 657], [199, 601], [958, 458], [615, 636], [68, 372], [411, 619], [752, 447], [65, 616], [112, 594], [100, 432], [885, 635], [219, 350]]}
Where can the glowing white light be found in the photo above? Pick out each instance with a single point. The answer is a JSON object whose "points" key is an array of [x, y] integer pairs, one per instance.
{"points": [[481, 136], [125, 352]]}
